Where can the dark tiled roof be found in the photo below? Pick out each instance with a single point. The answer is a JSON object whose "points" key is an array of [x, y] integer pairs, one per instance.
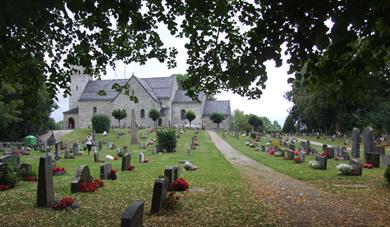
{"points": [[180, 96], [72, 111], [217, 106], [161, 86]]}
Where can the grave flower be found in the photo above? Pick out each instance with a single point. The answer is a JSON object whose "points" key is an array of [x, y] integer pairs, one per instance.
{"points": [[113, 174], [344, 169], [4, 187], [66, 202], [171, 201], [180, 185], [131, 168], [58, 171], [91, 186], [368, 165], [314, 164], [271, 150], [30, 178]]}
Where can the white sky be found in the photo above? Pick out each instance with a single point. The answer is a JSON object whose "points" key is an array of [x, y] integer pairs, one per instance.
{"points": [[271, 104]]}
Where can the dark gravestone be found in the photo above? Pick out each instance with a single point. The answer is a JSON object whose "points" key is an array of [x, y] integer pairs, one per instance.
{"points": [[160, 191], [374, 159], [386, 160], [355, 143], [100, 146], [323, 162], [356, 167], [13, 160], [24, 168], [133, 216], [345, 154], [141, 157], [45, 192], [337, 152], [305, 147], [105, 170], [67, 151], [330, 152], [96, 157], [168, 173], [176, 172], [308, 146], [126, 159], [82, 176], [76, 149], [369, 140], [57, 151]]}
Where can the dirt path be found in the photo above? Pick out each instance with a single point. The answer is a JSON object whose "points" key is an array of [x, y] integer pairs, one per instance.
{"points": [[294, 202], [57, 134]]}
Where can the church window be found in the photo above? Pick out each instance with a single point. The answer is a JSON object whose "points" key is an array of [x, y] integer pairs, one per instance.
{"points": [[183, 114], [77, 87], [94, 109], [142, 113]]}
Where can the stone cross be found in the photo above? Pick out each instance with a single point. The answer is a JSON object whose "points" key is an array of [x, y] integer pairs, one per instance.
{"points": [[134, 138], [355, 143], [82, 176], [105, 170], [45, 192], [133, 216], [126, 159], [160, 190], [168, 173], [141, 157]]}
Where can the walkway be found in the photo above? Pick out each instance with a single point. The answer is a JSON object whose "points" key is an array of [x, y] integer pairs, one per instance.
{"points": [[57, 134], [296, 203]]}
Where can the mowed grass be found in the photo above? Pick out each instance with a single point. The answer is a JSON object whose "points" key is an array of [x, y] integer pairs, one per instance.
{"points": [[325, 179], [221, 197]]}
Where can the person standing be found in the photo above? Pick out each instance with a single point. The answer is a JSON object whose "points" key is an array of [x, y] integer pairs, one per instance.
{"points": [[89, 142]]}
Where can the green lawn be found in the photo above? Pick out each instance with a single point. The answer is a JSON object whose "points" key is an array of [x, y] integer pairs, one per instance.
{"points": [[327, 140], [325, 179], [225, 201]]}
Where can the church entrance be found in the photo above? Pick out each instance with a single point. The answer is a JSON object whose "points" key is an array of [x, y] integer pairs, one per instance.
{"points": [[70, 123]]}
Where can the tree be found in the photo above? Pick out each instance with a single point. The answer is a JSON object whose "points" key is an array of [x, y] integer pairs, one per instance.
{"points": [[154, 115], [190, 116], [217, 118], [119, 114], [255, 122], [276, 126], [100, 123], [289, 125], [96, 33], [240, 121]]}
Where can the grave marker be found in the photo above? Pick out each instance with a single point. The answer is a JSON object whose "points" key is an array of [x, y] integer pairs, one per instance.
{"points": [[82, 176], [368, 140], [67, 151], [105, 170], [126, 159], [355, 143], [45, 192], [100, 145], [76, 149], [134, 138], [133, 216], [160, 191], [323, 162], [356, 167], [374, 159], [176, 172], [345, 154], [141, 157], [168, 173], [57, 151]]}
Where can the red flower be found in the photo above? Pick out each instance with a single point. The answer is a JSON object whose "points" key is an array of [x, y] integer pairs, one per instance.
{"points": [[58, 170], [91, 186], [4, 187], [180, 185], [131, 168], [63, 203], [30, 178], [368, 165]]}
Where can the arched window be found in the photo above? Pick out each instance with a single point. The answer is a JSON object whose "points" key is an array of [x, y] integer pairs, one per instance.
{"points": [[142, 113], [183, 114], [94, 109], [159, 122], [77, 87]]}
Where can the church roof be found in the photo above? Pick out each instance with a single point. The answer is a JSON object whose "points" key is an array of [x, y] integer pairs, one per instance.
{"points": [[181, 97], [217, 106], [157, 87], [72, 111]]}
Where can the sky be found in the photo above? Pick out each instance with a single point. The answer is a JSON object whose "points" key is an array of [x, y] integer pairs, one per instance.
{"points": [[271, 104]]}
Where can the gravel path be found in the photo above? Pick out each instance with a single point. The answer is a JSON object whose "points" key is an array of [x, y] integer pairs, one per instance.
{"points": [[294, 202]]}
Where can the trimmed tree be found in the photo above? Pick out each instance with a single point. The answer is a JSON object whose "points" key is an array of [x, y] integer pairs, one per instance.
{"points": [[190, 116], [217, 118], [119, 114], [154, 115], [101, 123], [255, 122]]}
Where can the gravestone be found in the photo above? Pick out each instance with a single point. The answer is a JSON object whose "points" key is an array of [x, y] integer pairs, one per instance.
{"points": [[304, 147], [160, 190], [133, 216], [100, 145], [13, 160], [369, 145], [76, 149], [45, 192], [289, 155], [374, 159], [379, 150], [93, 137], [24, 168], [105, 170], [96, 157], [126, 159], [308, 146], [134, 138], [356, 167], [345, 154], [67, 151], [355, 143], [337, 152], [301, 156], [176, 172], [386, 160], [141, 157], [82, 176], [291, 147], [323, 162], [330, 152], [57, 151], [168, 173]]}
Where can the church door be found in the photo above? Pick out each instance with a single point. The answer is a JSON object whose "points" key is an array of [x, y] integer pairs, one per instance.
{"points": [[70, 123]]}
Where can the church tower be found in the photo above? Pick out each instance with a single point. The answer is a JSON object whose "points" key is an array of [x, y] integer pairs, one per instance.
{"points": [[79, 80]]}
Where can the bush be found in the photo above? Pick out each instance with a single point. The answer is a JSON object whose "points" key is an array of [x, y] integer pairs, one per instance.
{"points": [[166, 139], [253, 135], [101, 123], [387, 174]]}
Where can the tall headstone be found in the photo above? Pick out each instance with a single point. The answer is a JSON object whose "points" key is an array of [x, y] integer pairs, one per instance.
{"points": [[374, 159], [45, 192], [160, 191], [323, 162], [134, 138], [141, 157], [308, 146], [369, 145], [94, 136], [176, 172], [67, 151], [345, 153], [96, 157], [76, 149], [105, 170], [57, 151], [168, 173], [355, 143], [100, 145], [82, 175], [133, 216], [126, 159]]}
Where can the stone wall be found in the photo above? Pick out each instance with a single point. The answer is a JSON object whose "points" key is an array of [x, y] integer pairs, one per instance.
{"points": [[224, 125], [86, 111], [66, 120], [194, 107]]}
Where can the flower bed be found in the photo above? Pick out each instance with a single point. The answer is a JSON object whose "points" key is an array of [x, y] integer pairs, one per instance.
{"points": [[91, 186], [30, 178], [368, 165], [180, 185], [57, 171], [4, 187], [66, 202], [113, 174]]}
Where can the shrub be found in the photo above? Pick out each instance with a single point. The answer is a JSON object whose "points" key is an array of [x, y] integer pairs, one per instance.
{"points": [[101, 123], [166, 139], [253, 135], [387, 174]]}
